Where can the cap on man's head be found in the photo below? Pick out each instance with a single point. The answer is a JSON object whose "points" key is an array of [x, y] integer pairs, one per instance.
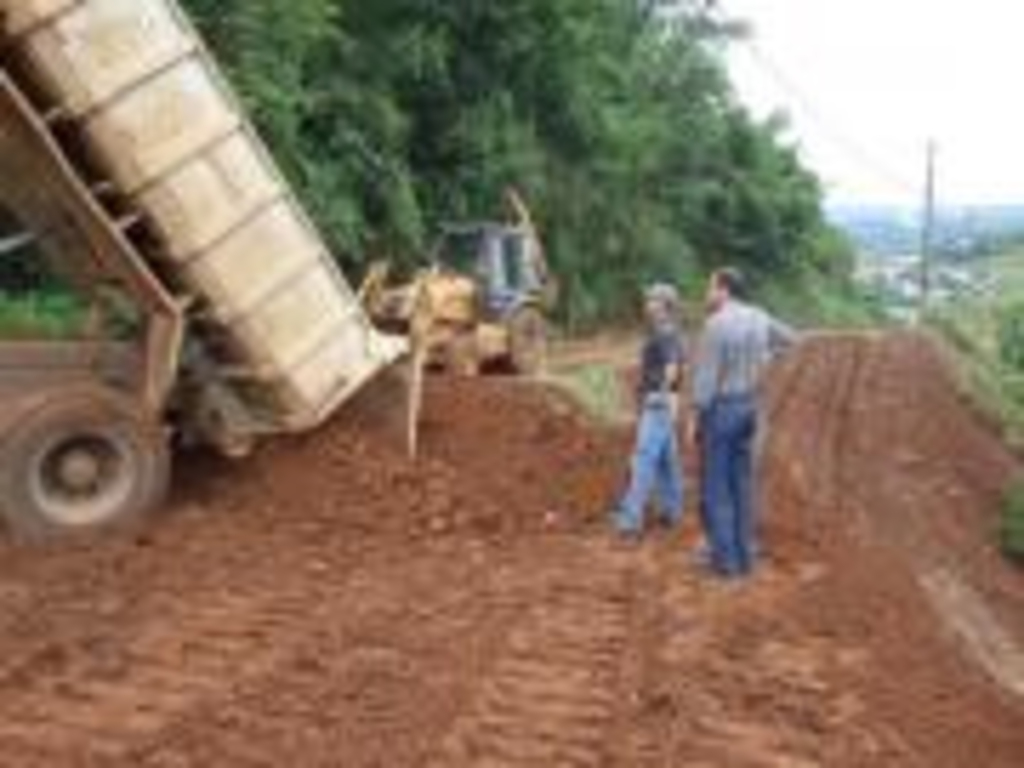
{"points": [[662, 293]]}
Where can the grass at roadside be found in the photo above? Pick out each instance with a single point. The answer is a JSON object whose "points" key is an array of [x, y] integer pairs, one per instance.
{"points": [[972, 327], [39, 316], [975, 331], [1013, 521], [819, 304], [995, 390], [598, 388]]}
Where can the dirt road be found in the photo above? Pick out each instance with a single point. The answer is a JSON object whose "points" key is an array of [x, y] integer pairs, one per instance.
{"points": [[327, 604]]}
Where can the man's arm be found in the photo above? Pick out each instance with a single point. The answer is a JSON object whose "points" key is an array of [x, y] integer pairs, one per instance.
{"points": [[675, 361], [707, 368], [673, 377], [706, 373], [781, 336]]}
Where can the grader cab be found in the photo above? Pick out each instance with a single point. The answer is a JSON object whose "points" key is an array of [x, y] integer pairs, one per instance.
{"points": [[481, 301]]}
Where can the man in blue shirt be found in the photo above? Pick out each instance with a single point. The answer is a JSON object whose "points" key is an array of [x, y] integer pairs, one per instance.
{"points": [[738, 343], [656, 468]]}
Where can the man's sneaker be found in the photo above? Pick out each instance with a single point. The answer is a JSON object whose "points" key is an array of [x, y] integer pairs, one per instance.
{"points": [[670, 523], [701, 557], [629, 537]]}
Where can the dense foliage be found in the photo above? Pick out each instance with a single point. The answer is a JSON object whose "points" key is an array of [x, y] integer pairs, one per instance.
{"points": [[614, 117], [1010, 320], [1013, 521]]}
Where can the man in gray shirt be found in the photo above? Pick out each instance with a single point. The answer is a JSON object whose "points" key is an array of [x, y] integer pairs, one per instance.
{"points": [[738, 342]]}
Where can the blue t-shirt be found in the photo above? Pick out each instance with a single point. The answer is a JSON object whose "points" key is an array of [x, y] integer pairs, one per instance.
{"points": [[664, 347]]}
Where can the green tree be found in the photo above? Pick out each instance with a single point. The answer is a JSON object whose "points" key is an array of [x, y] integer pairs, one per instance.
{"points": [[615, 117]]}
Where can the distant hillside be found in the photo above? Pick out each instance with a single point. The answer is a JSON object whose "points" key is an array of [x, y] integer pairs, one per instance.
{"points": [[961, 231]]}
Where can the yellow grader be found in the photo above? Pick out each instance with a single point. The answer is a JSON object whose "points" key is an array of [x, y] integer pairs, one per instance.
{"points": [[479, 303]]}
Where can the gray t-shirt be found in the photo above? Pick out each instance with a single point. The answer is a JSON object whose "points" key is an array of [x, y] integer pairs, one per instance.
{"points": [[738, 343]]}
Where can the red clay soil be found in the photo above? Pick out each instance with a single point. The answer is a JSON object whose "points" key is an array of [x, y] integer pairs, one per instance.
{"points": [[327, 603]]}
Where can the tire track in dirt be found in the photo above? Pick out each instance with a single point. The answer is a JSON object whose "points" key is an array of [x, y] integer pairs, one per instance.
{"points": [[729, 680], [850, 390], [881, 470], [812, 401], [382, 669], [552, 692], [917, 446], [100, 693], [783, 389], [193, 654]]}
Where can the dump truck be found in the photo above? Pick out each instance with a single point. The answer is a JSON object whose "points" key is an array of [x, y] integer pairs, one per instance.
{"points": [[480, 300], [215, 314]]}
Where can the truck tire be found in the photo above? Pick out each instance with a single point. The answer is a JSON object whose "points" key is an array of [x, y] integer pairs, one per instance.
{"points": [[80, 462], [528, 342]]}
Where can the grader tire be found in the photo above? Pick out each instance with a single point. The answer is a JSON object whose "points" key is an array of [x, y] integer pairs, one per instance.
{"points": [[528, 342], [81, 462], [462, 357]]}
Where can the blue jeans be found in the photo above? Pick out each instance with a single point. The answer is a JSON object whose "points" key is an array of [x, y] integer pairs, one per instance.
{"points": [[656, 469], [728, 429]]}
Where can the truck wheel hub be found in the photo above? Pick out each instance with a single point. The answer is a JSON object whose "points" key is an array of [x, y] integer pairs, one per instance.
{"points": [[81, 480], [79, 470]]}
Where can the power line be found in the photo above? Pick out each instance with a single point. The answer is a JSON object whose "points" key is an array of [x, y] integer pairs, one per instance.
{"points": [[826, 128], [853, 149]]}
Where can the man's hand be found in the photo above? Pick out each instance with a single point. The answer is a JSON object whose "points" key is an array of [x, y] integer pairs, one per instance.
{"points": [[693, 431]]}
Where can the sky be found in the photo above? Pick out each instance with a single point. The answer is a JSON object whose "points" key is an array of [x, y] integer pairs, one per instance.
{"points": [[867, 83]]}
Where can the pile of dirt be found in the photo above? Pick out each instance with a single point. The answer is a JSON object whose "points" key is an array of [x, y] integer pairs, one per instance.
{"points": [[497, 458]]}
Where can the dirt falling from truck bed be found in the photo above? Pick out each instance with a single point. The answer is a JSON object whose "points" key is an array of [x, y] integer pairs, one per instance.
{"points": [[498, 458], [329, 604]]}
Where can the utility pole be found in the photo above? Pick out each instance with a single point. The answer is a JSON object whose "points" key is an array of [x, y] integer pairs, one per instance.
{"points": [[928, 226]]}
